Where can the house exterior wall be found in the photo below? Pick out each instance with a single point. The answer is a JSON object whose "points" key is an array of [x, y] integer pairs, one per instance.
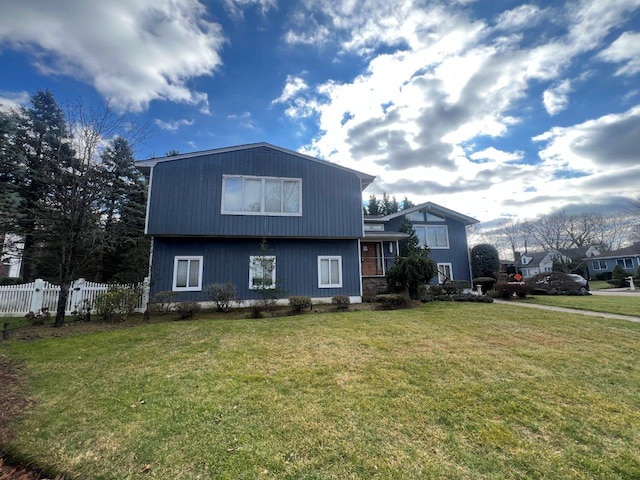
{"points": [[458, 252], [186, 197], [605, 266], [228, 261]]}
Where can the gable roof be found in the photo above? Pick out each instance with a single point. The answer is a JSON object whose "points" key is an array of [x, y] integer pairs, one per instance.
{"points": [[630, 251], [145, 166], [429, 207], [536, 258]]}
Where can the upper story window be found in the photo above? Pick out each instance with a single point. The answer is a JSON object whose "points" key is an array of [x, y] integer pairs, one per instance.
{"points": [[432, 217], [417, 216], [246, 195], [433, 236]]}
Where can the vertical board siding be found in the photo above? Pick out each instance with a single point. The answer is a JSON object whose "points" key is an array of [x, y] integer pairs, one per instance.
{"points": [[225, 261], [186, 197], [458, 252]]}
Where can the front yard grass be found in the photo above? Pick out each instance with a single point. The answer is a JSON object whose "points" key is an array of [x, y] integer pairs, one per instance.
{"points": [[621, 305], [446, 390]]}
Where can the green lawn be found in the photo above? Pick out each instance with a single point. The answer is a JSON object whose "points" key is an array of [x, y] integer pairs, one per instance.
{"points": [[596, 303], [446, 390]]}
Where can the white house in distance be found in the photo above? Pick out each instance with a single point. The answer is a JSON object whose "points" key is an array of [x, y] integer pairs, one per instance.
{"points": [[533, 263]]}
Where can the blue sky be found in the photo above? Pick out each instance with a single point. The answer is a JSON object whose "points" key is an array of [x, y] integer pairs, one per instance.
{"points": [[493, 109]]}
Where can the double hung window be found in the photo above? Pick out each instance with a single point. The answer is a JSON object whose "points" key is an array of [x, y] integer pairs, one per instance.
{"points": [[329, 272], [187, 274], [599, 264]]}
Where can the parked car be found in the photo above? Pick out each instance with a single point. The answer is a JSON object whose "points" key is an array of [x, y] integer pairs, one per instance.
{"points": [[555, 283]]}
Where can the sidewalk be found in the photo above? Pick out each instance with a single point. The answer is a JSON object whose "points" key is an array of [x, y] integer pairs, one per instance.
{"points": [[617, 291], [589, 313]]}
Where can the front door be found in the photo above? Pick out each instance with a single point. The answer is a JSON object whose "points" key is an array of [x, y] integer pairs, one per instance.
{"points": [[371, 254]]}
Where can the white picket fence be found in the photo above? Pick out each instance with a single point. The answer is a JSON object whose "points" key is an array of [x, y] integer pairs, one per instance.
{"points": [[16, 300]]}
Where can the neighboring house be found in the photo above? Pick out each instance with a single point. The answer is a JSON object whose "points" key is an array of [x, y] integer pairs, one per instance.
{"points": [[208, 212], [442, 230], [601, 266], [533, 263]]}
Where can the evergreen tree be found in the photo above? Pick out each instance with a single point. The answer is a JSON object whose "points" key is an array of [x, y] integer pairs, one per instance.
{"points": [[124, 248], [406, 203], [12, 171], [373, 207], [385, 204], [410, 244], [393, 206]]}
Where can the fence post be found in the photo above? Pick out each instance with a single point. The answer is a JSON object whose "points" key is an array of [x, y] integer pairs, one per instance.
{"points": [[38, 295], [76, 293]]}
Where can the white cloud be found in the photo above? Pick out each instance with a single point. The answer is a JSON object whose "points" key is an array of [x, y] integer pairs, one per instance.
{"points": [[626, 50], [523, 16], [556, 98], [172, 126], [236, 7], [11, 100], [498, 156], [448, 81], [133, 53], [292, 87]]}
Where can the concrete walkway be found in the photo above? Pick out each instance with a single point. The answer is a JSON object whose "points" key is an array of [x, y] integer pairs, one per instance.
{"points": [[589, 313]]}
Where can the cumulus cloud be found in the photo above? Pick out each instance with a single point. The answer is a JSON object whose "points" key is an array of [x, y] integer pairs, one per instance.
{"points": [[556, 98], [625, 50], [166, 44], [443, 82], [607, 142], [492, 154], [293, 86]]}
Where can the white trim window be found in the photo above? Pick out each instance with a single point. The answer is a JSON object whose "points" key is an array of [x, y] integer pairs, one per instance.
{"points": [[262, 272], [445, 272], [187, 274], [329, 272], [433, 236], [626, 263], [599, 264], [248, 195]]}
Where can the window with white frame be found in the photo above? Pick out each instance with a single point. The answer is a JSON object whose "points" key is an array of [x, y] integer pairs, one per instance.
{"points": [[445, 272], [625, 262], [262, 272], [247, 195], [599, 264], [433, 236], [329, 272], [187, 274]]}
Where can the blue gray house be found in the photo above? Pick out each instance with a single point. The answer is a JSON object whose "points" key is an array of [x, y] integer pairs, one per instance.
{"points": [[208, 212], [601, 266], [443, 230]]}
